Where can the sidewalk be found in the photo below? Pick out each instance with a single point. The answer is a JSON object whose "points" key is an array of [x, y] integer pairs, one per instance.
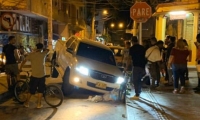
{"points": [[162, 104]]}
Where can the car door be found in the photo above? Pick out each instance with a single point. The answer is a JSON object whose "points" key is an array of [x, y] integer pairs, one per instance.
{"points": [[63, 57]]}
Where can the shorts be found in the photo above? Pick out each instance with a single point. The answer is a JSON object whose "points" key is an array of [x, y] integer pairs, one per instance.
{"points": [[37, 84], [12, 68]]}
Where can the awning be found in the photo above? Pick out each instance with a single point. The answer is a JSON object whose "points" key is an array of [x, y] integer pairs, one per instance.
{"points": [[165, 13]]}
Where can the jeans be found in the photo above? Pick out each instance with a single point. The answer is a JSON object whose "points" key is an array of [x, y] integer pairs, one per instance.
{"points": [[178, 73], [137, 75]]}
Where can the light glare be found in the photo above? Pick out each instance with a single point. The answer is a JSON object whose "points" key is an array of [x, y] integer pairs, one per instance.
{"points": [[120, 80], [177, 13]]}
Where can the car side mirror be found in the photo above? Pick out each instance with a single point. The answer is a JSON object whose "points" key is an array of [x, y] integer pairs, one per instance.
{"points": [[70, 50]]}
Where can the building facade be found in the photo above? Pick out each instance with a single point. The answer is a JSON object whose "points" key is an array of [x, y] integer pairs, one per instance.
{"points": [[28, 20], [180, 19]]}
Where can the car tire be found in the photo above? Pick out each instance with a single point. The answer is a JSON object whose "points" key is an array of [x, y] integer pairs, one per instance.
{"points": [[67, 88]]}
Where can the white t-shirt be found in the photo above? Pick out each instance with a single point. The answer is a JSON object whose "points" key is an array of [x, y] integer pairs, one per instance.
{"points": [[153, 54], [38, 63]]}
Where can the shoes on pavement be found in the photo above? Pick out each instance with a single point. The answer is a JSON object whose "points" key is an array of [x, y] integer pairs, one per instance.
{"points": [[135, 98], [175, 91], [26, 105], [39, 106], [182, 90]]}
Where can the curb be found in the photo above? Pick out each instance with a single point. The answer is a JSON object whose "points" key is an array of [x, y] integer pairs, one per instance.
{"points": [[5, 96]]}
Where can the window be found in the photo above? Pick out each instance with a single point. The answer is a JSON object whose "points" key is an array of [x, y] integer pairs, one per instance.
{"points": [[73, 46], [69, 41], [96, 53]]}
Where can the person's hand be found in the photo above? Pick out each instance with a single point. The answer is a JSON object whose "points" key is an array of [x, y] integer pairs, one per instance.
{"points": [[168, 66]]}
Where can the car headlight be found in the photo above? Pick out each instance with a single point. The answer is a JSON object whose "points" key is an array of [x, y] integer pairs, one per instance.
{"points": [[83, 70], [120, 80]]}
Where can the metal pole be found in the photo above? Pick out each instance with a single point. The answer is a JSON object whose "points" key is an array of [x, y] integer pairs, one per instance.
{"points": [[140, 34], [50, 27], [93, 23]]}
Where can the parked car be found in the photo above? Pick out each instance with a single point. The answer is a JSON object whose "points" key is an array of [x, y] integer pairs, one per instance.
{"points": [[86, 64], [118, 53]]}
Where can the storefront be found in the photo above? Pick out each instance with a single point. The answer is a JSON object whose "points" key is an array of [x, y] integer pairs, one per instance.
{"points": [[26, 29], [179, 19]]}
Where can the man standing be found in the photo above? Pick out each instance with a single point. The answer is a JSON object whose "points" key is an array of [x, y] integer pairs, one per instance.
{"points": [[171, 44], [154, 56], [37, 80], [197, 44], [137, 55], [12, 56]]}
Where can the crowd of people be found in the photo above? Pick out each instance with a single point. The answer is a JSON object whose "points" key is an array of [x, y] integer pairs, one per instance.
{"points": [[157, 57]]}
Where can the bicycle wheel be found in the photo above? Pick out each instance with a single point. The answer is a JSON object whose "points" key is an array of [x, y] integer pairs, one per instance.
{"points": [[20, 91], [53, 96], [122, 94]]}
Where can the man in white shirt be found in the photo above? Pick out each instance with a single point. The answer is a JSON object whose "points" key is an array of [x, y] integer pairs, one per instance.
{"points": [[154, 57]]}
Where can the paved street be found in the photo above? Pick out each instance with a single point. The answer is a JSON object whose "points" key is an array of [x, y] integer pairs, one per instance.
{"points": [[160, 104], [71, 109]]}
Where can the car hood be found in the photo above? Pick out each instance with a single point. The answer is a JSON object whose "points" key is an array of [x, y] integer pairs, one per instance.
{"points": [[99, 66]]}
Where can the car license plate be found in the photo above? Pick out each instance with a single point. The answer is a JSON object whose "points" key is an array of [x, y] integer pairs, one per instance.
{"points": [[101, 85]]}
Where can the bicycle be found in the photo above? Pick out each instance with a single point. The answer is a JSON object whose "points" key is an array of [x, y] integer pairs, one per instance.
{"points": [[53, 95], [125, 87]]}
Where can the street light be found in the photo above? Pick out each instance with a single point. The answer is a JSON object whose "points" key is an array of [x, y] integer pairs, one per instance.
{"points": [[105, 12], [121, 25], [112, 25]]}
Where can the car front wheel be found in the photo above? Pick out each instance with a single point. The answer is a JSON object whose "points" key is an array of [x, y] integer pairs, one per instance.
{"points": [[67, 88]]}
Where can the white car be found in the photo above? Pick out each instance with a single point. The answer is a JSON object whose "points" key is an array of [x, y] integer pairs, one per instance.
{"points": [[86, 64]]}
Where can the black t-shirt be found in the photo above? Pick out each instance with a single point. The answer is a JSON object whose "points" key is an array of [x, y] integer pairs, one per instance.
{"points": [[137, 52], [8, 50]]}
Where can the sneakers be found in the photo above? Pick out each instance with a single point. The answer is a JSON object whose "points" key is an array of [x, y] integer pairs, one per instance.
{"points": [[39, 106], [175, 91], [26, 105], [135, 98], [182, 90]]}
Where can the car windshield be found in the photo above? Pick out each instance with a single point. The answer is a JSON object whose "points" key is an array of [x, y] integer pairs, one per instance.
{"points": [[96, 53]]}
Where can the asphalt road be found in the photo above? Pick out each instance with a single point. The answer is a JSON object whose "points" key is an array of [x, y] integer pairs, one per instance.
{"points": [[74, 107]]}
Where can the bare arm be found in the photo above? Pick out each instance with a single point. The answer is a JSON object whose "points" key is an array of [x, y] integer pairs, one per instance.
{"points": [[22, 64], [16, 55], [171, 57]]}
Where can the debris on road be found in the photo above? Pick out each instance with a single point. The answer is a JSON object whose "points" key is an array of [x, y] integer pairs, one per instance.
{"points": [[111, 96]]}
